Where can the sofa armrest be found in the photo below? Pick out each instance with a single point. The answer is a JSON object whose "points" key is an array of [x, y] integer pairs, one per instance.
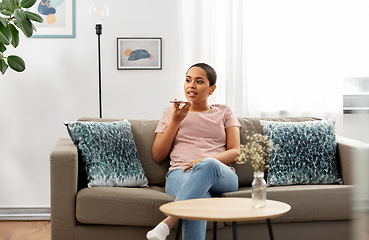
{"points": [[63, 189], [349, 153]]}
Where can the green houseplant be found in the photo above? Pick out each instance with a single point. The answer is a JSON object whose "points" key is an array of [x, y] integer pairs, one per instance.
{"points": [[14, 16]]}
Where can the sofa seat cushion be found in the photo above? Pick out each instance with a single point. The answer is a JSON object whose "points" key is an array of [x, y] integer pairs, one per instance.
{"points": [[308, 202], [121, 206]]}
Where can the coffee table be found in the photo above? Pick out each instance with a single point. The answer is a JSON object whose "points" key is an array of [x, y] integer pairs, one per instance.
{"points": [[223, 210]]}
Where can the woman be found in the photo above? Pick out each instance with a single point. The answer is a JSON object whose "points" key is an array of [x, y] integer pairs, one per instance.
{"points": [[202, 141]]}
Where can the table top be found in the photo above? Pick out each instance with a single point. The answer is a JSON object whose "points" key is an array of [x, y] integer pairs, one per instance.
{"points": [[223, 209]]}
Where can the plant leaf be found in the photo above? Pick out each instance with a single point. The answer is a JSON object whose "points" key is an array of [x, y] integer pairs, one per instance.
{"points": [[5, 35], [3, 66], [3, 21], [27, 3], [6, 8], [15, 3], [34, 17], [7, 4], [15, 35], [34, 27], [25, 26], [2, 48], [19, 14], [6, 12], [16, 63], [9, 7]]}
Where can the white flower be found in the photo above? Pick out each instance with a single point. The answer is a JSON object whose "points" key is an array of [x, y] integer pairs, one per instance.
{"points": [[256, 152]]}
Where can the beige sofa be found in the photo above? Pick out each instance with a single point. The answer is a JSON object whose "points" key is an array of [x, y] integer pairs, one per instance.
{"points": [[78, 212]]}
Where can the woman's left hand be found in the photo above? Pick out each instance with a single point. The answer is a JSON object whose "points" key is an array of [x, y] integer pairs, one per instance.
{"points": [[191, 164]]}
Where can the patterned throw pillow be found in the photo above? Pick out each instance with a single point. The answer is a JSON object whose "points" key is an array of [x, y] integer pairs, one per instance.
{"points": [[306, 152], [109, 153]]}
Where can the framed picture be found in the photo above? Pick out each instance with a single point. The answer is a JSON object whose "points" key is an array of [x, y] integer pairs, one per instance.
{"points": [[59, 18], [139, 53]]}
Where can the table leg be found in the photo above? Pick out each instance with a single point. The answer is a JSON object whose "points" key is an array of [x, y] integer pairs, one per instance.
{"points": [[179, 229], [234, 231], [215, 225], [270, 229]]}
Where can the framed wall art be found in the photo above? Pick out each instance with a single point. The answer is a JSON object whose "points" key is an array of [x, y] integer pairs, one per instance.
{"points": [[139, 53], [58, 16]]}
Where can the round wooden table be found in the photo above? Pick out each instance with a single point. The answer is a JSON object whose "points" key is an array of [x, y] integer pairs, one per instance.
{"points": [[224, 209]]}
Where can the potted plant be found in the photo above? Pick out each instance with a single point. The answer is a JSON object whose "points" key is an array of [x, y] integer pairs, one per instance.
{"points": [[14, 16]]}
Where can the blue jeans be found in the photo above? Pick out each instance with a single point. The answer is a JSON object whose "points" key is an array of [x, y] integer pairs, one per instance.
{"points": [[206, 177]]}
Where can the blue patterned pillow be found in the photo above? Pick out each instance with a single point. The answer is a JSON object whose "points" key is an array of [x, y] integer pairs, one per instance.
{"points": [[306, 152], [109, 152]]}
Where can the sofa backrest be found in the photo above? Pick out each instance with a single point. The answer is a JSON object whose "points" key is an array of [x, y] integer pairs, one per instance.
{"points": [[144, 135]]}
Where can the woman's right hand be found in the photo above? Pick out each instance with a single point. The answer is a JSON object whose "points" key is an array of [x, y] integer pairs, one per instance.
{"points": [[180, 111]]}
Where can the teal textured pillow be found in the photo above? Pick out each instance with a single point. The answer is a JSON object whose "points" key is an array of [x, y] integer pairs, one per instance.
{"points": [[306, 152], [109, 152]]}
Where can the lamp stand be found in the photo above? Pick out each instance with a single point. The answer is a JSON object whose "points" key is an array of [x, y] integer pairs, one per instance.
{"points": [[98, 33]]}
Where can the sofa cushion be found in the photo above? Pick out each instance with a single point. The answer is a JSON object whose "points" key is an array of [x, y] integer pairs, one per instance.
{"points": [[144, 135], [121, 206], [306, 152], [252, 125], [309, 202], [109, 153]]}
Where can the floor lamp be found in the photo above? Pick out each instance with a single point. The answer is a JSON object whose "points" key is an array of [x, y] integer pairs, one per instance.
{"points": [[99, 11]]}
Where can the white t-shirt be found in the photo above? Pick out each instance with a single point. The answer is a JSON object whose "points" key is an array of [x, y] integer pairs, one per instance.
{"points": [[199, 134]]}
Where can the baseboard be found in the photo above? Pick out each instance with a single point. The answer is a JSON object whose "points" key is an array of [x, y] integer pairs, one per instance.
{"points": [[25, 213]]}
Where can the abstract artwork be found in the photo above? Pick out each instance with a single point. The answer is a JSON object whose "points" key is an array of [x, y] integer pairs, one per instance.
{"points": [[139, 53], [58, 16]]}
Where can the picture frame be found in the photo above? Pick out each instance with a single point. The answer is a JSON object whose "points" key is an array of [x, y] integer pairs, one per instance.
{"points": [[59, 18], [139, 53]]}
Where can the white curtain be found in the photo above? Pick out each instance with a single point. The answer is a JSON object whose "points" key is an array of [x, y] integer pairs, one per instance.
{"points": [[273, 58]]}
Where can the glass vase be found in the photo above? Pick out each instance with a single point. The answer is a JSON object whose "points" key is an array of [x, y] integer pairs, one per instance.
{"points": [[258, 190]]}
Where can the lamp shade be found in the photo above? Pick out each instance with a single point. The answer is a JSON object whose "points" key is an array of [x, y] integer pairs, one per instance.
{"points": [[99, 11]]}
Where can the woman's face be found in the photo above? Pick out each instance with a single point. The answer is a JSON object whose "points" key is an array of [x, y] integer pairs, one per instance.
{"points": [[197, 86]]}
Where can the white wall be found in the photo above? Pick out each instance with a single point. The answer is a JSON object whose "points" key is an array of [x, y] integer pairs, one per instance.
{"points": [[305, 49], [61, 83]]}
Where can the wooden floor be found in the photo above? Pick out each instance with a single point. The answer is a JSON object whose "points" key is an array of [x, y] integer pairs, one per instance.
{"points": [[25, 230], [41, 230]]}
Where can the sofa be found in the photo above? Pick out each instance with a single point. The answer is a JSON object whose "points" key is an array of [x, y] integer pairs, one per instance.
{"points": [[318, 211]]}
